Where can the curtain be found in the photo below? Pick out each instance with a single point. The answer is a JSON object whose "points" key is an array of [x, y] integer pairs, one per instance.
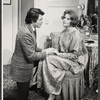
{"points": [[91, 7]]}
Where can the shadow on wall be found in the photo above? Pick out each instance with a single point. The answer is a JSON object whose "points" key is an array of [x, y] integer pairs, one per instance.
{"points": [[42, 41], [7, 54]]}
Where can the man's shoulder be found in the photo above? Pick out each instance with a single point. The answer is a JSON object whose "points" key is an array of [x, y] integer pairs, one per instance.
{"points": [[23, 30]]}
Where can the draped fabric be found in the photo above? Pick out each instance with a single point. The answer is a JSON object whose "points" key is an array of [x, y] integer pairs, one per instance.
{"points": [[52, 70], [91, 7], [72, 87], [92, 64]]}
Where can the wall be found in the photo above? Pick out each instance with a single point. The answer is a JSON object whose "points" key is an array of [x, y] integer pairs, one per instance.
{"points": [[85, 2], [13, 17], [24, 9], [7, 33], [52, 19], [9, 29]]}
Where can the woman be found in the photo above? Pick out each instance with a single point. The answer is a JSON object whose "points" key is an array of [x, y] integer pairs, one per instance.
{"points": [[72, 56], [26, 52]]}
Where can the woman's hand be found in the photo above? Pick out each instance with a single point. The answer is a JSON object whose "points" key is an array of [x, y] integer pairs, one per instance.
{"points": [[72, 57]]}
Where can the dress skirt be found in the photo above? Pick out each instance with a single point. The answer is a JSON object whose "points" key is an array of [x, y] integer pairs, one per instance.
{"points": [[72, 87]]}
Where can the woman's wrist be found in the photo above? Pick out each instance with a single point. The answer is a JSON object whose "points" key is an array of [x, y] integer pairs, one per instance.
{"points": [[44, 51]]}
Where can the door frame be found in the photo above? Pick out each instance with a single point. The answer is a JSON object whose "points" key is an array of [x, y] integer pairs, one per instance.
{"points": [[14, 21], [85, 2]]}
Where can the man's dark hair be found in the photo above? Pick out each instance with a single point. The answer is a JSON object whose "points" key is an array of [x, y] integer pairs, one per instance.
{"points": [[33, 14]]}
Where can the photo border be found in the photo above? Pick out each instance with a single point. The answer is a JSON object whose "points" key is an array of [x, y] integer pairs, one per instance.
{"points": [[99, 49], [1, 74]]}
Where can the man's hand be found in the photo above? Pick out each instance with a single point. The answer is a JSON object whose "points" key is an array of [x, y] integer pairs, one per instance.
{"points": [[51, 51]]}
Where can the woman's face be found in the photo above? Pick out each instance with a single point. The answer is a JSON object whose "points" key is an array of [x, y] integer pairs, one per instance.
{"points": [[66, 20]]}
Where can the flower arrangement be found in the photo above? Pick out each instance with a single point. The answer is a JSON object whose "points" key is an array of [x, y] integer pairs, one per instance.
{"points": [[88, 23]]}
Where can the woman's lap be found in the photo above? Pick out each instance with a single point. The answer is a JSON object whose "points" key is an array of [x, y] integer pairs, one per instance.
{"points": [[62, 63]]}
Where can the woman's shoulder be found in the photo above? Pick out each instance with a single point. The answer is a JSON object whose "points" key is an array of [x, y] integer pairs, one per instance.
{"points": [[75, 29], [76, 33], [63, 31]]}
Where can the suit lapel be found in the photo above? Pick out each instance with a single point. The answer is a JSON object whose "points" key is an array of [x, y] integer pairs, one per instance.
{"points": [[32, 32], [30, 28]]}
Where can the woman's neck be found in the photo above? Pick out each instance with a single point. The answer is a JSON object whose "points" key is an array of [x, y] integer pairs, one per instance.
{"points": [[70, 28]]}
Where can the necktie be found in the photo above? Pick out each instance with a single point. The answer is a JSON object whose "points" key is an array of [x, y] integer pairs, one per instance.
{"points": [[35, 33]]}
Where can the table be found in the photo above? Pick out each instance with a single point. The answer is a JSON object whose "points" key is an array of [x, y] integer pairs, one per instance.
{"points": [[92, 65]]}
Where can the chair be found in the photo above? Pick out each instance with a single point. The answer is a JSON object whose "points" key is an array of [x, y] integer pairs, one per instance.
{"points": [[72, 85]]}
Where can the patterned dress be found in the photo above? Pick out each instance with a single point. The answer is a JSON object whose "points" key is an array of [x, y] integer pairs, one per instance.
{"points": [[51, 71]]}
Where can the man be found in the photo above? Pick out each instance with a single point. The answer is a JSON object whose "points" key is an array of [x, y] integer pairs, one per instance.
{"points": [[26, 52]]}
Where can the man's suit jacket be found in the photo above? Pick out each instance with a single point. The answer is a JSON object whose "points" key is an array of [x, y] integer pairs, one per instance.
{"points": [[26, 52]]}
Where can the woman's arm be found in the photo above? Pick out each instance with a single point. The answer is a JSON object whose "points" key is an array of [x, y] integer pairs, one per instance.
{"points": [[71, 56]]}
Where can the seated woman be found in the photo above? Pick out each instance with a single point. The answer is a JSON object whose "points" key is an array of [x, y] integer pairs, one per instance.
{"points": [[72, 56]]}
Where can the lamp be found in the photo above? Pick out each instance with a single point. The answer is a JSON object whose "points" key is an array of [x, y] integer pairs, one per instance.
{"points": [[81, 7]]}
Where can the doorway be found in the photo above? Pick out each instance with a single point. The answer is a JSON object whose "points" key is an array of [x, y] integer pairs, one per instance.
{"points": [[52, 19]]}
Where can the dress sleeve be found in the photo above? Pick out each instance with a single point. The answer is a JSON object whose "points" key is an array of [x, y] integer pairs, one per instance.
{"points": [[75, 44]]}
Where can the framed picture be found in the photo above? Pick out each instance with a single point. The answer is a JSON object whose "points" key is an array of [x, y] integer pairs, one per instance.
{"points": [[7, 2]]}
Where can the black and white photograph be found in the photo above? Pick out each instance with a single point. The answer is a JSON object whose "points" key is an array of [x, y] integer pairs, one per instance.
{"points": [[50, 49]]}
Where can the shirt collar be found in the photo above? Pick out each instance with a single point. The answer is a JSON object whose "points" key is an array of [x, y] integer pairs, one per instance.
{"points": [[33, 28]]}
